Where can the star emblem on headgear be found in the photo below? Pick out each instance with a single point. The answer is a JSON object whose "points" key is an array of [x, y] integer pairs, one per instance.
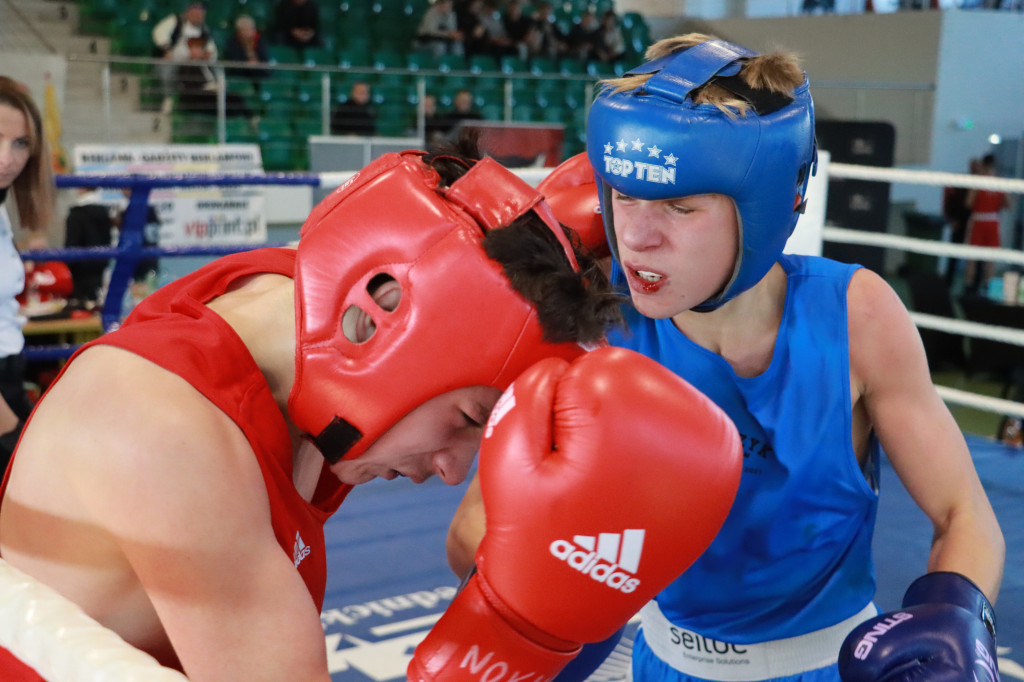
{"points": [[638, 144], [608, 148], [621, 145], [671, 159], [654, 151]]}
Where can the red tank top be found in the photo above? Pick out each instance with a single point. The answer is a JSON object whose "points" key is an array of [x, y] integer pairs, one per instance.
{"points": [[174, 329]]}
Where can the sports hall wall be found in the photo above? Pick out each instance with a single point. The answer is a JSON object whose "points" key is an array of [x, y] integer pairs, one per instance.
{"points": [[946, 80]]}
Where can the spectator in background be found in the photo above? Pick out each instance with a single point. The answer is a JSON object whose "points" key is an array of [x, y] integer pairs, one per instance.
{"points": [[356, 115], [585, 38], [983, 224], [517, 27], [463, 109], [435, 125], [297, 23], [612, 45], [181, 38], [482, 30], [88, 223], [246, 45], [26, 175], [545, 39], [439, 29], [198, 87], [957, 212]]}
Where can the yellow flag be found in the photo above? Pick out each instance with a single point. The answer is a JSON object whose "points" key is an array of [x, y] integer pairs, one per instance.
{"points": [[51, 128]]}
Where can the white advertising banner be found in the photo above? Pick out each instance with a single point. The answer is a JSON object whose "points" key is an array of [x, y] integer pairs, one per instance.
{"points": [[189, 216]]}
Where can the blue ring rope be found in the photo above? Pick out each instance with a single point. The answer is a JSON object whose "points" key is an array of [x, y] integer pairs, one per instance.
{"points": [[130, 250]]}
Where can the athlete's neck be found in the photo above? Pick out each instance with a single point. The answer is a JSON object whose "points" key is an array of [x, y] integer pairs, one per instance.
{"points": [[743, 330], [261, 310]]}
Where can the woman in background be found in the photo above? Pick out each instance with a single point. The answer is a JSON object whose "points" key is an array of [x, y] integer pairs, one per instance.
{"points": [[25, 174]]}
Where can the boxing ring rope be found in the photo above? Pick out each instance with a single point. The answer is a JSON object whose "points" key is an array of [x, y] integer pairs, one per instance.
{"points": [[832, 233], [53, 635]]}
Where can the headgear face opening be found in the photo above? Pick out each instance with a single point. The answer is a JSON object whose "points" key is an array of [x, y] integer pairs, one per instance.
{"points": [[458, 322], [654, 143]]}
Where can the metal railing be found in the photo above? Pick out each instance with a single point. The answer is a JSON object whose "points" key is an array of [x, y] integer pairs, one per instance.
{"points": [[304, 95]]}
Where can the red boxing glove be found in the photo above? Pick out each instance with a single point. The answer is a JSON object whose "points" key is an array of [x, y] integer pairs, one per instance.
{"points": [[571, 192], [586, 469]]}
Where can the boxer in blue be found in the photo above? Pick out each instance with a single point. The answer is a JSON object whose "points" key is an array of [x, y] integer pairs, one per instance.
{"points": [[702, 157]]}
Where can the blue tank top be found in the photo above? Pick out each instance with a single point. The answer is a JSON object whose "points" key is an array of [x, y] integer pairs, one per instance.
{"points": [[794, 554]]}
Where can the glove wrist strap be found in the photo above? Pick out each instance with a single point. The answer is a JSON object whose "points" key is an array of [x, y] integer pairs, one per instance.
{"points": [[951, 588]]}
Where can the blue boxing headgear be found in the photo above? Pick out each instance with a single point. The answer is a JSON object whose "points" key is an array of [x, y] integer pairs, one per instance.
{"points": [[654, 143]]}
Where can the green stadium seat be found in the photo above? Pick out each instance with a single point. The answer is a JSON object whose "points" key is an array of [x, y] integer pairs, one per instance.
{"points": [[274, 130], [483, 64], [193, 129], [262, 12], [273, 89], [281, 156], [513, 65], [318, 56], [553, 114], [350, 57], [492, 112], [421, 61], [95, 15], [569, 66], [280, 110], [308, 127], [283, 54], [353, 11], [393, 119], [452, 62], [239, 130], [522, 112], [542, 65]]}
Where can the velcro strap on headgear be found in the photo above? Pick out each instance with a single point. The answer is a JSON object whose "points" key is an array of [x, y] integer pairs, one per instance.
{"points": [[495, 197], [684, 71]]}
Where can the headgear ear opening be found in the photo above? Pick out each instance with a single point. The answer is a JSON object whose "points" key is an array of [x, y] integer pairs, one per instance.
{"points": [[654, 142], [458, 321]]}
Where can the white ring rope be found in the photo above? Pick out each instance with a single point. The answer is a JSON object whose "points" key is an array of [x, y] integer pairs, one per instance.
{"points": [[981, 402], [978, 330], [62, 643], [832, 233], [918, 177], [843, 235]]}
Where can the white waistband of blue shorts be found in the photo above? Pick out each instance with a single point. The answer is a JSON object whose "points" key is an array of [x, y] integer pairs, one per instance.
{"points": [[699, 656]]}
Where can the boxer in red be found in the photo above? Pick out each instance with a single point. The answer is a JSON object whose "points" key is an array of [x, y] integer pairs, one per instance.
{"points": [[174, 481]]}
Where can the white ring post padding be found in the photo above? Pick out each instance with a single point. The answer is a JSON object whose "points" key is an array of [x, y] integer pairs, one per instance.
{"points": [[63, 644]]}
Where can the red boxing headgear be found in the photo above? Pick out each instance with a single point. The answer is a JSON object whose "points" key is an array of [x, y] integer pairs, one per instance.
{"points": [[571, 192], [459, 321]]}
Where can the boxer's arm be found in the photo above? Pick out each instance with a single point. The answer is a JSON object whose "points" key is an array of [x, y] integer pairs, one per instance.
{"points": [[466, 530], [176, 485], [922, 440]]}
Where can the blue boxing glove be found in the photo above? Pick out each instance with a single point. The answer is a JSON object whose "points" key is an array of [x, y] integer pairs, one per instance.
{"points": [[945, 632]]}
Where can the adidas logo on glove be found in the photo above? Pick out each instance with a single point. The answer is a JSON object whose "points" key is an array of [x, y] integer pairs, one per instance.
{"points": [[603, 556]]}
